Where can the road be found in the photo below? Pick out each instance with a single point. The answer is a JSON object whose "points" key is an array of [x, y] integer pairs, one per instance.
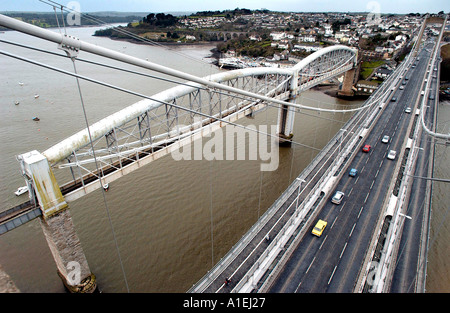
{"points": [[407, 266], [332, 262]]}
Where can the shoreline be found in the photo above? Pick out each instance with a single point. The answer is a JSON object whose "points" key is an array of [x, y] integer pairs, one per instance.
{"points": [[328, 89]]}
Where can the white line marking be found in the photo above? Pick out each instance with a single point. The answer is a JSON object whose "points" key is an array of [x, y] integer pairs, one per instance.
{"points": [[332, 275], [342, 252], [310, 265]]}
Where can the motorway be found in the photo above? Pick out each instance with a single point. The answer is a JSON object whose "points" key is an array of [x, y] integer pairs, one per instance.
{"points": [[332, 262], [417, 213]]}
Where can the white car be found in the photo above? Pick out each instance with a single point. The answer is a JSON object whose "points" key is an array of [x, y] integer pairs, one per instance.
{"points": [[391, 154], [337, 198], [385, 139], [408, 110]]}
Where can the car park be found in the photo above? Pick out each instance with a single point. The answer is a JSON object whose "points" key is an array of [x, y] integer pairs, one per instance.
{"points": [[366, 148], [337, 198], [319, 228], [392, 154], [353, 172], [385, 139]]}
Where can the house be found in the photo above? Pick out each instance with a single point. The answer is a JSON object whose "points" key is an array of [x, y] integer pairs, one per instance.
{"points": [[365, 87], [382, 73]]}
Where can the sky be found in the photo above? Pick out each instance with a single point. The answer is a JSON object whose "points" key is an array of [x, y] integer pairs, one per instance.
{"points": [[157, 6]]}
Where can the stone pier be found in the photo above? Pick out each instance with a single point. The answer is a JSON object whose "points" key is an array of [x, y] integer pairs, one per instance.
{"points": [[6, 283], [57, 224], [348, 83]]}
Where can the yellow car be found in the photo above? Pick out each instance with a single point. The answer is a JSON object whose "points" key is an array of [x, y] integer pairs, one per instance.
{"points": [[318, 229]]}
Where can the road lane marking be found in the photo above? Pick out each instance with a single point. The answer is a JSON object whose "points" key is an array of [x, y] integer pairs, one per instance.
{"points": [[333, 222], [309, 266], [360, 211], [332, 275], [351, 232], [365, 200], [323, 242], [342, 252]]}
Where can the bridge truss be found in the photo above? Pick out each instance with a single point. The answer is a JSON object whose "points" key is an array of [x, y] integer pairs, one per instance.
{"points": [[157, 125]]}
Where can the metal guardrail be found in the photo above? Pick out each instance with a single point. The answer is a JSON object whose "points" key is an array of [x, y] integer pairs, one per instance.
{"points": [[18, 216], [303, 211]]}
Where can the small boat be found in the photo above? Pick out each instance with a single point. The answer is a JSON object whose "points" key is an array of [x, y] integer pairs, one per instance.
{"points": [[16, 102], [21, 190], [36, 118], [20, 83], [106, 187], [36, 96]]}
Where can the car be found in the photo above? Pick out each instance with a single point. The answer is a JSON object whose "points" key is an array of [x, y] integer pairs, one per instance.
{"points": [[408, 110], [366, 148], [391, 154], [401, 87], [394, 99], [353, 172], [319, 228], [337, 198], [385, 139]]}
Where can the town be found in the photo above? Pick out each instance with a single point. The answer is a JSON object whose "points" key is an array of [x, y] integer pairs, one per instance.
{"points": [[246, 38]]}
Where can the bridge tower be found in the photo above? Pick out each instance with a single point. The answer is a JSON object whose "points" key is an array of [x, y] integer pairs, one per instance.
{"points": [[57, 225], [348, 83], [286, 114]]}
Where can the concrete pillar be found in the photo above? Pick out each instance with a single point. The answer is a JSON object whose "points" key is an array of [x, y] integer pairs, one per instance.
{"points": [[347, 84], [286, 115], [57, 224]]}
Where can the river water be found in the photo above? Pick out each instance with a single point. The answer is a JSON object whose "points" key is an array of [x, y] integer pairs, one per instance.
{"points": [[173, 220]]}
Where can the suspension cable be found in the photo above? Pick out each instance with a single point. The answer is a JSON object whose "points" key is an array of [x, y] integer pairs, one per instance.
{"points": [[122, 31], [149, 98], [100, 177]]}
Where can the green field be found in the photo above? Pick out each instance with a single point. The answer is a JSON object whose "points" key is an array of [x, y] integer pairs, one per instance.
{"points": [[367, 68]]}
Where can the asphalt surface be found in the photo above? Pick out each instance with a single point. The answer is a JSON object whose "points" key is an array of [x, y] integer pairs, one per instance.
{"points": [[333, 262], [408, 264]]}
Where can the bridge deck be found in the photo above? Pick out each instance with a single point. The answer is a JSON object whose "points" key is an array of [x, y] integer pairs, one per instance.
{"points": [[271, 228]]}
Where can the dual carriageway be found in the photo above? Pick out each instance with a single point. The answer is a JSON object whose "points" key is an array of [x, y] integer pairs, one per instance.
{"points": [[358, 249]]}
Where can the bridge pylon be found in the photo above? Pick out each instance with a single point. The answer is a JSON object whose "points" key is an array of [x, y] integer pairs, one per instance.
{"points": [[57, 224], [286, 114]]}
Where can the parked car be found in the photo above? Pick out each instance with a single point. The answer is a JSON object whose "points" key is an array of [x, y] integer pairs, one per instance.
{"points": [[353, 172], [366, 148], [392, 154], [337, 198]]}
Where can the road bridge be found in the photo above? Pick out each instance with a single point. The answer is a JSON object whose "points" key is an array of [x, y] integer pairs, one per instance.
{"points": [[149, 129], [358, 251], [163, 123]]}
